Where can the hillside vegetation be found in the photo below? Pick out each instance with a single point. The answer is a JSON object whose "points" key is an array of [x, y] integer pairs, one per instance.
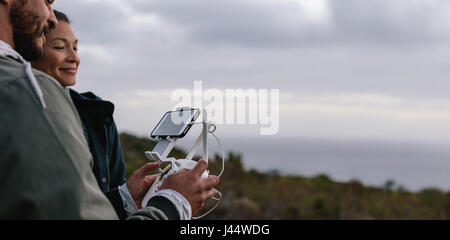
{"points": [[249, 194]]}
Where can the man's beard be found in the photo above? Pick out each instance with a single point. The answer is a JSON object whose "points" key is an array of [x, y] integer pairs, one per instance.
{"points": [[27, 31]]}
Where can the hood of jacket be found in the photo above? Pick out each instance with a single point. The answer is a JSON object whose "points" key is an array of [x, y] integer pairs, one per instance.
{"points": [[94, 107]]}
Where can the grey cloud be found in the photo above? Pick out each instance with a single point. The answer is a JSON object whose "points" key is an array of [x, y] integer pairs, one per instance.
{"points": [[278, 24], [95, 22], [282, 24], [396, 48], [241, 23], [378, 46], [389, 22]]}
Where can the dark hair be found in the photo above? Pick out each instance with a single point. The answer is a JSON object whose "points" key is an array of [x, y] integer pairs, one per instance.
{"points": [[61, 16]]}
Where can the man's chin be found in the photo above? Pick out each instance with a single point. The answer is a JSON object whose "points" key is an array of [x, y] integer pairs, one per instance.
{"points": [[36, 51], [33, 54], [30, 49]]}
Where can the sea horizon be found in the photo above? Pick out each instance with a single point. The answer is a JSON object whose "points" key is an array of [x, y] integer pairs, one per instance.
{"points": [[411, 166]]}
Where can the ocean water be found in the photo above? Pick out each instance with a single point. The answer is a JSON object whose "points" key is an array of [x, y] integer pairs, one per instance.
{"points": [[413, 166]]}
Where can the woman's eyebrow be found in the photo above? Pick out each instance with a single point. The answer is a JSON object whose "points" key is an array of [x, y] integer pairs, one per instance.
{"points": [[59, 38], [64, 39]]}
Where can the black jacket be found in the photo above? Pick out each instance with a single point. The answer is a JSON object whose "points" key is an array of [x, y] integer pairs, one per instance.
{"points": [[104, 144]]}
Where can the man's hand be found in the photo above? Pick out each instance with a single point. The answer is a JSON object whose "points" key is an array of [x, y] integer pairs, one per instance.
{"points": [[140, 182], [192, 186]]}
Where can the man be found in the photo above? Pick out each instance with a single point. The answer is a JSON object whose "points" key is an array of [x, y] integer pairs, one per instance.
{"points": [[45, 163]]}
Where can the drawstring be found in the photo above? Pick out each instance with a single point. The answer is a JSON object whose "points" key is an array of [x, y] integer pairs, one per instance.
{"points": [[7, 51], [35, 84]]}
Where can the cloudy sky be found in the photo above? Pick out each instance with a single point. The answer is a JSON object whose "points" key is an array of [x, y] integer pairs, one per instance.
{"points": [[345, 68]]}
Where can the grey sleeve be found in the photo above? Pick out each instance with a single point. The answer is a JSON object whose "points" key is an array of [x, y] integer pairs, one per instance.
{"points": [[158, 208], [148, 213]]}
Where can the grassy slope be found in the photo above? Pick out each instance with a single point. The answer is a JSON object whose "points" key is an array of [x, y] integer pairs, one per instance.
{"points": [[249, 194]]}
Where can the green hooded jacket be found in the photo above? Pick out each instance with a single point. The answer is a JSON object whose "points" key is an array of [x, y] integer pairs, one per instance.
{"points": [[45, 162]]}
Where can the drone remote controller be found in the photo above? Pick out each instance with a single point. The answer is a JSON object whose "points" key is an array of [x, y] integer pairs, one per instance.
{"points": [[167, 133], [175, 166]]}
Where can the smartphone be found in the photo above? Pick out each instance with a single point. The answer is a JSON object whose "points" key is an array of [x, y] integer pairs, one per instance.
{"points": [[175, 123]]}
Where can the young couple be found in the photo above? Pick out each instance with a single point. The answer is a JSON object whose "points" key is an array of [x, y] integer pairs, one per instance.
{"points": [[61, 157]]}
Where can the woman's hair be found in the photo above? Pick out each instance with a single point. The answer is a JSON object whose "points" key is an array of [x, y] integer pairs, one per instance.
{"points": [[61, 16]]}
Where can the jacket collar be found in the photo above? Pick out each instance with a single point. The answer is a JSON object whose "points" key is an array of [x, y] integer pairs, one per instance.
{"points": [[8, 51], [88, 104]]}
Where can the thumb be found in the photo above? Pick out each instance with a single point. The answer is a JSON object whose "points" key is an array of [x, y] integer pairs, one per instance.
{"points": [[150, 178], [142, 171]]}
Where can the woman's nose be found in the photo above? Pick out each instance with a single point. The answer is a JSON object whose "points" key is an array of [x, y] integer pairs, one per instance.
{"points": [[74, 57]]}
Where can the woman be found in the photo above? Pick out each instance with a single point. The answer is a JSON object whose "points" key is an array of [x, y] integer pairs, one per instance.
{"points": [[61, 61]]}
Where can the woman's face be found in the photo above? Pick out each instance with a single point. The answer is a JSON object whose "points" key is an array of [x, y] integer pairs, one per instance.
{"points": [[60, 58]]}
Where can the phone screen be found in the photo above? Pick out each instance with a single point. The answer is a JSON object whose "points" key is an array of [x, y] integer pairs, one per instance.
{"points": [[175, 123]]}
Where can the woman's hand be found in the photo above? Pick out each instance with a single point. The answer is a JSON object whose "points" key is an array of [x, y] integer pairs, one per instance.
{"points": [[139, 183]]}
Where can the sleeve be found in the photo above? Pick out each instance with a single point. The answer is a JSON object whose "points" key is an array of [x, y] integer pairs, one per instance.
{"points": [[117, 166], [165, 200], [181, 204], [115, 198], [128, 202], [158, 208], [117, 171]]}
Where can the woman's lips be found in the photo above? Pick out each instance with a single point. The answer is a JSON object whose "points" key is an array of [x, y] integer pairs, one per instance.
{"points": [[69, 70]]}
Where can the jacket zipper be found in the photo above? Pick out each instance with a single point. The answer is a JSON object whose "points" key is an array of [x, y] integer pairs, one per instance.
{"points": [[107, 160]]}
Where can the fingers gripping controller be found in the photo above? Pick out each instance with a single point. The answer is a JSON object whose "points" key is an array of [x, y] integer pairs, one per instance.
{"points": [[175, 166]]}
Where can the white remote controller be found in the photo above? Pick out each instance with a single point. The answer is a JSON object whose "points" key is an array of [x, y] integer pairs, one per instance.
{"points": [[176, 165]]}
